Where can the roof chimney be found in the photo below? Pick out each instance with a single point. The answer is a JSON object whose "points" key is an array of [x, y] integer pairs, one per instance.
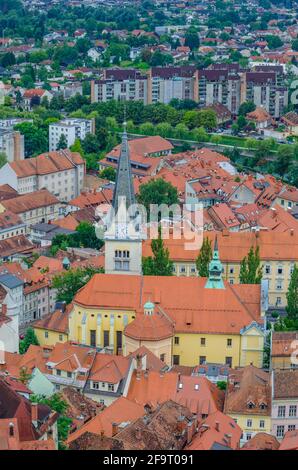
{"points": [[34, 414], [11, 429], [114, 429]]}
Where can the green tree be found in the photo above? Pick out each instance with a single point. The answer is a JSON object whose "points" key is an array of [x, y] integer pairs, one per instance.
{"points": [[36, 139], [3, 159], [108, 173], [292, 296], [157, 192], [24, 375], [192, 39], [30, 338], [251, 271], [204, 258], [246, 107], [62, 143], [69, 282], [159, 264], [56, 403]]}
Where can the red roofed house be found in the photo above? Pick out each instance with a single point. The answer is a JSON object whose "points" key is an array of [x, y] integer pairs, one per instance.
{"points": [[34, 96]]}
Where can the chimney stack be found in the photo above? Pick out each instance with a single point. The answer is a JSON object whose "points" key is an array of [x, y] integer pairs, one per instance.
{"points": [[34, 414], [114, 429], [11, 430]]}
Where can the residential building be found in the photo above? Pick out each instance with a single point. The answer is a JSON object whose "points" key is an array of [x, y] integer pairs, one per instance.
{"points": [[11, 225], [170, 426], [278, 255], [284, 402], [217, 432], [33, 97], [71, 129], [25, 425], [283, 347], [167, 83], [120, 84], [61, 173], [146, 155], [12, 145], [248, 401], [33, 208]]}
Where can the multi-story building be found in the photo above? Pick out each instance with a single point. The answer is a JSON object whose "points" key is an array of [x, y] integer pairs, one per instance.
{"points": [[38, 207], [160, 85], [283, 349], [284, 402], [166, 83], [278, 253], [248, 401], [230, 85], [12, 144], [264, 90], [120, 84], [71, 129], [11, 225], [220, 85], [61, 173]]}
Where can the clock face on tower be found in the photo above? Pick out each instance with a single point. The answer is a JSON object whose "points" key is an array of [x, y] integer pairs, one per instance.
{"points": [[121, 231]]}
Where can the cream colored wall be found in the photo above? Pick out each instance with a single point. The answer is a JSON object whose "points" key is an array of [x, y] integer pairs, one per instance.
{"points": [[216, 349], [156, 347], [76, 328], [53, 337], [135, 251]]}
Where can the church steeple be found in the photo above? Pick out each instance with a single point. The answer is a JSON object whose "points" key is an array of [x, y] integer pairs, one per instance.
{"points": [[124, 183], [215, 280]]}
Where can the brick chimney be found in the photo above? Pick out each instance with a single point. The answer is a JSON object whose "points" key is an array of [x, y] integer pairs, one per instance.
{"points": [[114, 429], [34, 414], [11, 430]]}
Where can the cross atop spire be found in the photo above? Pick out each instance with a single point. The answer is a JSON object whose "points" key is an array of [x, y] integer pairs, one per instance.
{"points": [[124, 183]]}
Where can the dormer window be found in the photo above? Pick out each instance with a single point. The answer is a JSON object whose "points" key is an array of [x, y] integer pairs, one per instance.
{"points": [[263, 406], [250, 405]]}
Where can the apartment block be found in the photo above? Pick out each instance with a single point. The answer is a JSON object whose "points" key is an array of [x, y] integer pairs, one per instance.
{"points": [[72, 129], [160, 85], [166, 83], [120, 84]]}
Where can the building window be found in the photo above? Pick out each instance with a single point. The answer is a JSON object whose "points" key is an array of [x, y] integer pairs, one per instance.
{"points": [[176, 360], [229, 361], [203, 341], [162, 357], [176, 340], [293, 410], [248, 437], [110, 387], [46, 334], [202, 360], [281, 411], [267, 269], [95, 385], [69, 375], [279, 270], [106, 338], [229, 342], [58, 372], [291, 427], [249, 423], [262, 423], [280, 430], [60, 337]]}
